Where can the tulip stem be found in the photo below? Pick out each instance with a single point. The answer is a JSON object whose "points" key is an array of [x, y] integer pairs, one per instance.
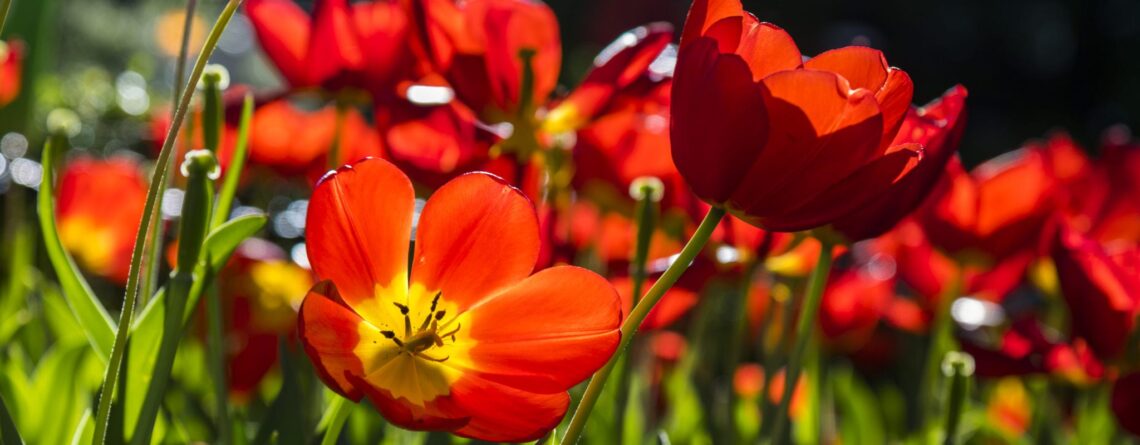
{"points": [[111, 375], [5, 5], [804, 325], [335, 417], [941, 342], [636, 316]]}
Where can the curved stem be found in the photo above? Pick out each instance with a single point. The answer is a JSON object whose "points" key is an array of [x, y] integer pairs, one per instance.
{"points": [[941, 341], [5, 5], [804, 325], [156, 183], [636, 316], [335, 415]]}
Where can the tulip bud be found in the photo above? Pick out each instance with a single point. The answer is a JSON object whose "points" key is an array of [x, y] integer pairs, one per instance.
{"points": [[215, 79], [201, 169], [62, 124], [958, 367]]}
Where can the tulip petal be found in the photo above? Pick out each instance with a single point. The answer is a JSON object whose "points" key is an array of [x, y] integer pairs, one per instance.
{"points": [[357, 231], [477, 236], [333, 45], [546, 334], [282, 28], [328, 330], [1126, 402], [1102, 295], [769, 49], [894, 102], [500, 413], [719, 120], [937, 127], [383, 29], [863, 67], [821, 132], [704, 13], [511, 26], [850, 193]]}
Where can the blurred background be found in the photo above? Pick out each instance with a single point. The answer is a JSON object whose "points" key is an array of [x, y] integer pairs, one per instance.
{"points": [[1032, 66]]}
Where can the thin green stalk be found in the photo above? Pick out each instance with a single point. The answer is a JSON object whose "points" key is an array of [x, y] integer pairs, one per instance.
{"points": [[338, 135], [636, 316], [5, 5], [334, 419], [192, 233], [941, 342], [216, 359], [110, 377], [155, 231], [237, 165], [646, 191], [804, 325]]}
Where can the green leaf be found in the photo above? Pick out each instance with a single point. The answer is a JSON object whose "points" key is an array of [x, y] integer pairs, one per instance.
{"points": [[84, 431], [8, 433], [862, 419], [237, 164], [222, 241], [96, 322]]}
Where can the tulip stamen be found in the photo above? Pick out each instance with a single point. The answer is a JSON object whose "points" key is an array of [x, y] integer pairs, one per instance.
{"points": [[416, 343]]}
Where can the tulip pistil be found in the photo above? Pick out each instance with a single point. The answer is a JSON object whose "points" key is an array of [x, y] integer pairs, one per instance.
{"points": [[417, 343]]}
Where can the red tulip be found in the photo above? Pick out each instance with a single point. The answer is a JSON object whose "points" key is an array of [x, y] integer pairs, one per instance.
{"points": [[477, 45], [937, 127], [620, 69], [99, 207], [853, 303], [11, 67], [1106, 199], [360, 46], [291, 140], [1027, 348], [1102, 289], [434, 144], [929, 272], [785, 144], [468, 341], [1126, 402], [999, 209]]}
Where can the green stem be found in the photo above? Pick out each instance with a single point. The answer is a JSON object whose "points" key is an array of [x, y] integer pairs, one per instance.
{"points": [[338, 135], [941, 342], [5, 5], [960, 369], [156, 230], [110, 377], [646, 217], [217, 361], [335, 417], [804, 325], [192, 232], [636, 316]]}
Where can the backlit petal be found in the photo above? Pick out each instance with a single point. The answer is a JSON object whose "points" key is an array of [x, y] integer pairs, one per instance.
{"points": [[357, 232], [282, 28], [328, 330], [477, 236]]}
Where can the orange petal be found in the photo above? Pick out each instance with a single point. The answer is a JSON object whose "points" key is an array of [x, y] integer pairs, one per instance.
{"points": [[768, 49], [704, 13], [894, 101], [333, 45], [477, 236], [820, 132], [357, 232], [328, 330], [282, 28], [863, 67], [546, 334], [384, 30], [508, 27], [500, 413]]}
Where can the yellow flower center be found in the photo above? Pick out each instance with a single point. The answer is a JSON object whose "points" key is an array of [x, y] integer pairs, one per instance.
{"points": [[415, 351], [278, 288]]}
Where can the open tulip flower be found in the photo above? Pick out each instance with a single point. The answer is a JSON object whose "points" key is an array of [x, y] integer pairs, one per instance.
{"points": [[1102, 289], [469, 341], [99, 206], [359, 46], [784, 144], [478, 46]]}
